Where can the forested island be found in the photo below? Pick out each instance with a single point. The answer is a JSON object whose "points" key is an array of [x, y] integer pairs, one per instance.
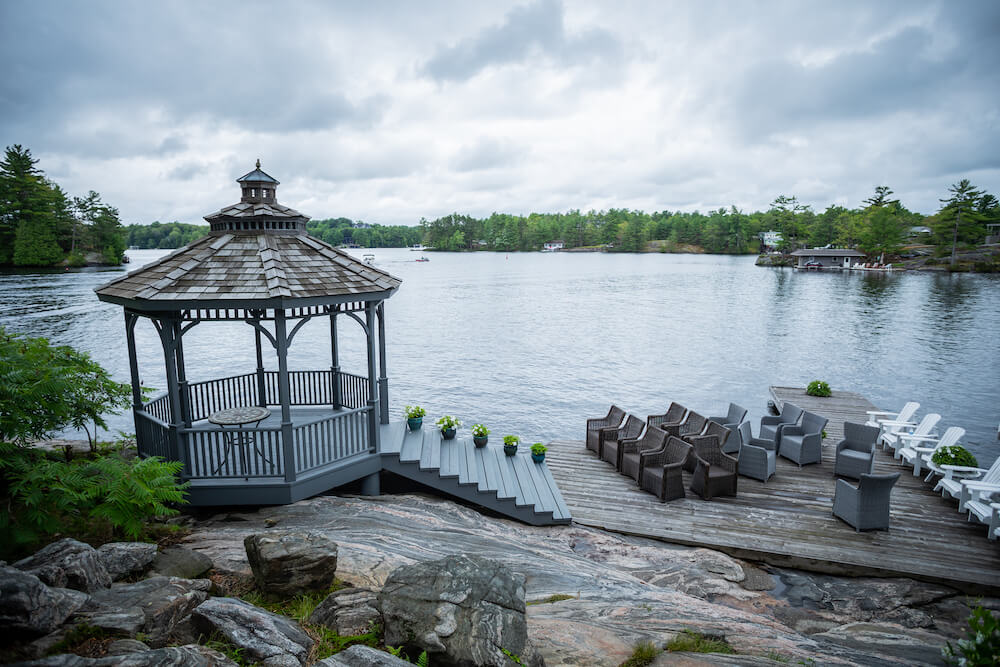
{"points": [[40, 225]]}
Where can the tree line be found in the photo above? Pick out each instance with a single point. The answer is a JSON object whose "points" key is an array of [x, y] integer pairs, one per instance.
{"points": [[41, 225]]}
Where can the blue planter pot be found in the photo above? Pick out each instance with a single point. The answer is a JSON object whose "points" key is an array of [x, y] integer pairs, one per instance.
{"points": [[447, 433], [537, 458], [480, 440], [510, 450], [415, 423]]}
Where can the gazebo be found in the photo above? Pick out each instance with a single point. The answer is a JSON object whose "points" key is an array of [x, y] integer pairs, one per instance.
{"points": [[269, 436]]}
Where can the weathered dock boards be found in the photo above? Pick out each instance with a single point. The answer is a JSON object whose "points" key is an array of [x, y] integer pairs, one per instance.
{"points": [[514, 486], [789, 520], [838, 407]]}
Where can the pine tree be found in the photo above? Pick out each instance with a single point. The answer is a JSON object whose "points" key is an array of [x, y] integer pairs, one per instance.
{"points": [[960, 215]]}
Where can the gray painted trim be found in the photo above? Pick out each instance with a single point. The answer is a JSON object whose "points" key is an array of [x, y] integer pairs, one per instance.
{"points": [[148, 306]]}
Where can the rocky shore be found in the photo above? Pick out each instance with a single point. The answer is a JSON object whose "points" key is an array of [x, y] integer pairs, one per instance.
{"points": [[571, 595]]}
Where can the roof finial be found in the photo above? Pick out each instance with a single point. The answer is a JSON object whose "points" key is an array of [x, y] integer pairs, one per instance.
{"points": [[258, 163]]}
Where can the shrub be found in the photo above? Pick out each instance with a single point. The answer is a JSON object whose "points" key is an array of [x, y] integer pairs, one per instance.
{"points": [[511, 440], [414, 412], [448, 422], [643, 654], [539, 448], [695, 642], [955, 455], [818, 388], [982, 644], [480, 430]]}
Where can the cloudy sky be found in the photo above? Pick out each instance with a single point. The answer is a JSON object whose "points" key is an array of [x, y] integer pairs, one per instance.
{"points": [[392, 111]]}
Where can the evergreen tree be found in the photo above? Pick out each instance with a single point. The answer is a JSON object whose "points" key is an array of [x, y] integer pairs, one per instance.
{"points": [[960, 216]]}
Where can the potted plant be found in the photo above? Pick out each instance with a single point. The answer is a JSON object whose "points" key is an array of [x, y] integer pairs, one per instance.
{"points": [[538, 452], [954, 455], [818, 388], [510, 444], [480, 435], [414, 416], [448, 426]]}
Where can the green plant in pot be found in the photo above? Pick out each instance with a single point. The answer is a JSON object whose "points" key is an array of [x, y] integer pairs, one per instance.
{"points": [[955, 455], [538, 452], [448, 426], [480, 435], [414, 416], [818, 388], [510, 444]]}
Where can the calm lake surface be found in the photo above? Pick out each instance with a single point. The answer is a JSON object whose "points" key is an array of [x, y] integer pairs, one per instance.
{"points": [[535, 343]]}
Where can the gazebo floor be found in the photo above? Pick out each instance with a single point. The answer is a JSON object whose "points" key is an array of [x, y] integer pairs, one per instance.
{"points": [[789, 520]]}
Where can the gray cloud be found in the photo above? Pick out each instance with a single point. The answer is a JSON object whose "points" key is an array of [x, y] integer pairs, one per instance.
{"points": [[487, 153], [528, 35]]}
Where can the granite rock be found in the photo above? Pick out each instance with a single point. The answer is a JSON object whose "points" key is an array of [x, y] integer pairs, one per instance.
{"points": [[126, 559], [29, 608], [349, 611], [68, 563], [290, 562], [174, 656], [363, 656], [264, 637], [163, 601], [180, 562]]}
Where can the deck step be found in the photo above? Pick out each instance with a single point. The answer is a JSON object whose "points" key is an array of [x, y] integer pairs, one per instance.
{"points": [[514, 486]]}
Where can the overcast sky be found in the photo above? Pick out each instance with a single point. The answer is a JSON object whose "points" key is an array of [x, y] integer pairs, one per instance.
{"points": [[389, 112]]}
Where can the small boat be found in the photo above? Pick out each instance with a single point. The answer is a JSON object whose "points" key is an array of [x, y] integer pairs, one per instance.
{"points": [[422, 258], [418, 246], [368, 258]]}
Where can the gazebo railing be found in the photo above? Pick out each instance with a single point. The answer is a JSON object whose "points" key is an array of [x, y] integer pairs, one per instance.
{"points": [[305, 388], [152, 435], [333, 439]]}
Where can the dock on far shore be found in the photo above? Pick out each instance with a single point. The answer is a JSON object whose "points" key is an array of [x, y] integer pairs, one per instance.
{"points": [[789, 522]]}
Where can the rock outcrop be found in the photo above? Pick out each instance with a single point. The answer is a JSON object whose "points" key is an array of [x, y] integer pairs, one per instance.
{"points": [[68, 564], [180, 562], [264, 637], [363, 656], [126, 559], [350, 611], [286, 563], [163, 602], [29, 608]]}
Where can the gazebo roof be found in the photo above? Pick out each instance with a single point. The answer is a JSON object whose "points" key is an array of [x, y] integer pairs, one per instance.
{"points": [[258, 255]]}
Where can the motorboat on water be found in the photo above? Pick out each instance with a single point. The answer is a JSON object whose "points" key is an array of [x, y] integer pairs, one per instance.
{"points": [[422, 258], [368, 258]]}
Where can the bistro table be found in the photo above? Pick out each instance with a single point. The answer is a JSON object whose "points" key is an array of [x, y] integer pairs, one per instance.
{"points": [[238, 438]]}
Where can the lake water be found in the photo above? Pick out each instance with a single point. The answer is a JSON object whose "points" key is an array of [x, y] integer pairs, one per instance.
{"points": [[535, 343]]}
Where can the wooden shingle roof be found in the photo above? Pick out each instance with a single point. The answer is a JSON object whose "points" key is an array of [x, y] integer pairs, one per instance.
{"points": [[230, 268]]}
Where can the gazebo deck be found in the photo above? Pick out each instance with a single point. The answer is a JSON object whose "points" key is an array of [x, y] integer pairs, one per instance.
{"points": [[789, 521]]}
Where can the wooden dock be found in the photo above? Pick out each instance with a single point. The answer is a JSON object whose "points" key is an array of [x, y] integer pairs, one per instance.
{"points": [[789, 521]]}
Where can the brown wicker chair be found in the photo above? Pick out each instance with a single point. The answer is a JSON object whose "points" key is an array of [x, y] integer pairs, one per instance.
{"points": [[715, 434], [660, 471], [674, 415], [693, 424], [610, 438], [630, 451], [613, 418], [715, 473]]}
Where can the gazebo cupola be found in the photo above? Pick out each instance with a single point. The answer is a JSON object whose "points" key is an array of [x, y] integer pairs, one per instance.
{"points": [[258, 266]]}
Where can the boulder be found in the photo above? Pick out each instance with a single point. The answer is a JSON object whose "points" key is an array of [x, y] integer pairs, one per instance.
{"points": [[350, 611], [264, 637], [29, 608], [910, 646], [164, 602], [292, 562], [126, 646], [68, 563], [363, 656], [175, 656], [180, 562], [462, 610], [125, 559]]}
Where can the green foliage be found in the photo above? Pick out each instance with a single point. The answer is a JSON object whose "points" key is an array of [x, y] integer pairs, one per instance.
{"points": [[77, 635], [818, 388], [695, 642], [511, 440], [513, 657], [643, 654], [955, 455], [82, 497], [76, 259], [480, 430], [558, 597], [982, 643], [163, 235], [414, 411], [539, 448], [447, 422], [44, 389], [337, 231]]}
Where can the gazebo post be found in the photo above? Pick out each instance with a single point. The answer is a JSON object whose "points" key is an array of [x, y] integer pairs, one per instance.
{"points": [[335, 360], [182, 383], [261, 385], [133, 361], [372, 380], [284, 395], [383, 381], [169, 328]]}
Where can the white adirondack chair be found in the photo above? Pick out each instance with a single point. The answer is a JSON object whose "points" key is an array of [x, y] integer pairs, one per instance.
{"points": [[890, 438], [950, 485], [893, 420], [920, 456], [976, 500]]}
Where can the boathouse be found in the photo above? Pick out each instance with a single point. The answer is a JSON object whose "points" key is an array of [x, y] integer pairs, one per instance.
{"points": [[826, 258], [274, 436]]}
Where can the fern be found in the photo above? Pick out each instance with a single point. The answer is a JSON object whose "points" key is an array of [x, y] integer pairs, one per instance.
{"points": [[126, 494]]}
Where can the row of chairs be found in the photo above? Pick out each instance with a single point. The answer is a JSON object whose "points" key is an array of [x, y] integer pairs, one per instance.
{"points": [[654, 452], [916, 442]]}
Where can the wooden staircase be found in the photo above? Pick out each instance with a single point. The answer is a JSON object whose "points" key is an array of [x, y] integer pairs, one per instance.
{"points": [[514, 486]]}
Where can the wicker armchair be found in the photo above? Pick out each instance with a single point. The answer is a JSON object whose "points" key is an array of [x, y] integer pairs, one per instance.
{"points": [[757, 457], [660, 471], [630, 451], [674, 415], [714, 436], [693, 424], [714, 472], [610, 438], [770, 425], [865, 506], [803, 443], [732, 421], [856, 452], [613, 418]]}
